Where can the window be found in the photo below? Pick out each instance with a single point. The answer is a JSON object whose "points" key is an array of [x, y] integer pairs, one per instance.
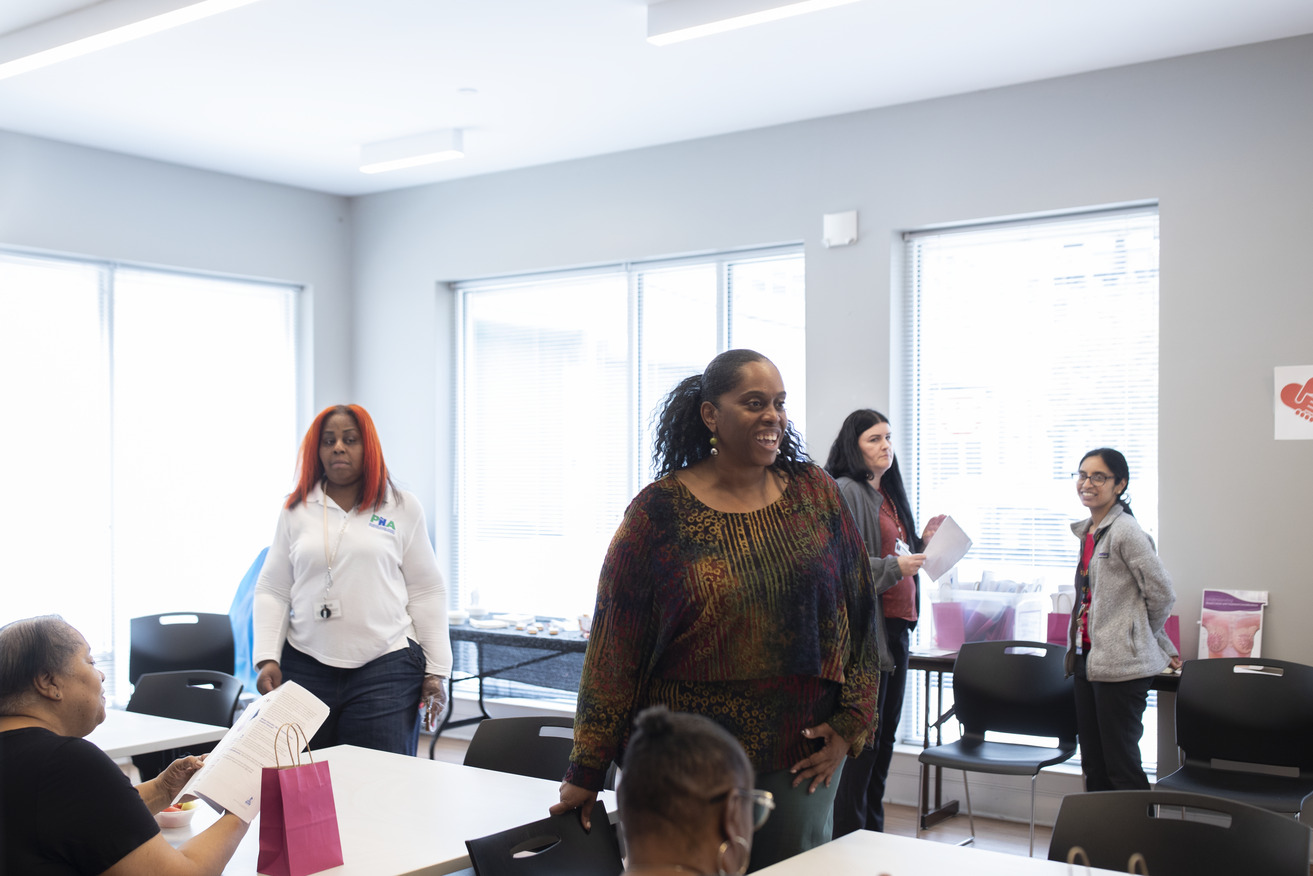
{"points": [[559, 376], [151, 431], [1030, 344]]}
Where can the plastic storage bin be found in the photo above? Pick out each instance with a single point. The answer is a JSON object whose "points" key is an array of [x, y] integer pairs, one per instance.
{"points": [[961, 616]]}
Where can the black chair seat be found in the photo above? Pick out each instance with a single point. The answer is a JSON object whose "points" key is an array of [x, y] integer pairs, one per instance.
{"points": [[1254, 713], [999, 758], [534, 747], [202, 696], [553, 846], [1018, 688], [180, 640], [1277, 793], [1179, 834]]}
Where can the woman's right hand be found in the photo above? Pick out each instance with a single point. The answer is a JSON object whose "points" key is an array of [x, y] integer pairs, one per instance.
{"points": [[270, 677], [910, 564], [575, 797]]}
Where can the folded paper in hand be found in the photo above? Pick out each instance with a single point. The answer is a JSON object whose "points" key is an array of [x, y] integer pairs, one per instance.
{"points": [[230, 778], [949, 545]]}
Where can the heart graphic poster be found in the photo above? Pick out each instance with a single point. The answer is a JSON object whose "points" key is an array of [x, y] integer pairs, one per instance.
{"points": [[1293, 405]]}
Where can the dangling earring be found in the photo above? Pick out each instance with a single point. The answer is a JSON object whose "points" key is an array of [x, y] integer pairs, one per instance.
{"points": [[714, 451], [724, 847]]}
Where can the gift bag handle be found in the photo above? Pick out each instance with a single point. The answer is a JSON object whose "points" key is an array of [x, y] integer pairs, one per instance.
{"points": [[290, 732]]}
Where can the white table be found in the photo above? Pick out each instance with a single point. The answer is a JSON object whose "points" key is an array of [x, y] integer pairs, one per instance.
{"points": [[407, 815], [873, 853], [127, 733]]}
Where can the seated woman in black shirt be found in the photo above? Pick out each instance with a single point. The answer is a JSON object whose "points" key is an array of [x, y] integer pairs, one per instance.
{"points": [[66, 807]]}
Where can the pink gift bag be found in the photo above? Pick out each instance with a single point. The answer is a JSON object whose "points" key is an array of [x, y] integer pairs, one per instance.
{"points": [[298, 818]]}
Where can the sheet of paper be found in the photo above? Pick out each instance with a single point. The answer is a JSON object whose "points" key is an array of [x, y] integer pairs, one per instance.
{"points": [[949, 545], [230, 778]]}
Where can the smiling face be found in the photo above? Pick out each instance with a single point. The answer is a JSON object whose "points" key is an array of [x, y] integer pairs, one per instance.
{"points": [[749, 420], [1099, 498], [341, 450], [877, 451]]}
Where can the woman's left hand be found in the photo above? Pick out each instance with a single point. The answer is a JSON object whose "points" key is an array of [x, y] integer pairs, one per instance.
{"points": [[931, 527], [434, 697], [820, 767], [1175, 663]]}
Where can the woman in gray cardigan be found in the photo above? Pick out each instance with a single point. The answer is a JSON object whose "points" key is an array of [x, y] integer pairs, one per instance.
{"points": [[1116, 640], [862, 461]]}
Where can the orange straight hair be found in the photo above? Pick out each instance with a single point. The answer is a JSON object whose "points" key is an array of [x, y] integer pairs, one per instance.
{"points": [[310, 468]]}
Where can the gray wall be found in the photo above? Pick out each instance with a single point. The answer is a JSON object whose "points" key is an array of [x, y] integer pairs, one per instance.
{"points": [[1221, 140], [60, 198]]}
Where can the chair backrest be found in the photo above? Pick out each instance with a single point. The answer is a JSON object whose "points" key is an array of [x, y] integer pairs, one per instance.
{"points": [[1180, 834], [535, 747], [200, 695], [1014, 687], [1248, 710], [553, 846], [180, 640]]}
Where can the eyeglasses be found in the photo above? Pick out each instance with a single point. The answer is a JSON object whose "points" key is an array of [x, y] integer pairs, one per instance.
{"points": [[1098, 478], [763, 803]]}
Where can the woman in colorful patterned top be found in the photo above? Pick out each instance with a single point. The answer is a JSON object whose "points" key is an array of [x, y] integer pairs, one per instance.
{"points": [[737, 587]]}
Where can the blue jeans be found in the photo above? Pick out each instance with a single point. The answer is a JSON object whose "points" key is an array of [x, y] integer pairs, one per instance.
{"points": [[375, 706]]}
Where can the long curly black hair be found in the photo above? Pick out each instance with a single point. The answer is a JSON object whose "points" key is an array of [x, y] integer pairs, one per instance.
{"points": [[682, 439]]}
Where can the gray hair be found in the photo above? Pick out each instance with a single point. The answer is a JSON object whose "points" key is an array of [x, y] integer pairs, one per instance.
{"points": [[29, 649]]}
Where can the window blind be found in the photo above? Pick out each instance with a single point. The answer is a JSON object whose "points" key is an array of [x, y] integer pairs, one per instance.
{"points": [[559, 376], [1029, 343]]}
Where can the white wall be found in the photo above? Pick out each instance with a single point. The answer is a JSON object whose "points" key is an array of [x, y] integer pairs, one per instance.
{"points": [[1221, 140], [61, 198]]}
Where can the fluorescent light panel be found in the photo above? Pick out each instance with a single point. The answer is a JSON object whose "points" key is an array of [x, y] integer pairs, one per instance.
{"points": [[97, 27], [411, 151], [673, 21]]}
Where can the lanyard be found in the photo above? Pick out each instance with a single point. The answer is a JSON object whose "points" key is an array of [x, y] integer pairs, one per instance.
{"points": [[329, 559]]}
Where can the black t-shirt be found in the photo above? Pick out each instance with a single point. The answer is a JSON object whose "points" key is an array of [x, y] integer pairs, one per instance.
{"points": [[65, 807]]}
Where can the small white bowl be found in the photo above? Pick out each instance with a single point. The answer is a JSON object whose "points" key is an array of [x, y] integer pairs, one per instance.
{"points": [[457, 617], [175, 818]]}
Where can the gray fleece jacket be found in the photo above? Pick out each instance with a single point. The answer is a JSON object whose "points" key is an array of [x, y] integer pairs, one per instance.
{"points": [[1130, 599]]}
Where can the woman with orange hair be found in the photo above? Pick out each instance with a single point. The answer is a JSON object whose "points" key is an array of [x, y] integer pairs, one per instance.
{"points": [[350, 603]]}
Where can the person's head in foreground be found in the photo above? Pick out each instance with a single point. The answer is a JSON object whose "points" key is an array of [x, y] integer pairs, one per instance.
{"points": [[686, 797], [47, 673], [67, 808]]}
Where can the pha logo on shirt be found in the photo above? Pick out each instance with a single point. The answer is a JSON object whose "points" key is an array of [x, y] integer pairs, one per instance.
{"points": [[383, 523]]}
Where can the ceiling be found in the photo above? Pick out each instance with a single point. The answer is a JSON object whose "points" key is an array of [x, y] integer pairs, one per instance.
{"points": [[288, 90]]}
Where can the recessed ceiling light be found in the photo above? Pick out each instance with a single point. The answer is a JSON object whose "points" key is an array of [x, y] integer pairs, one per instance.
{"points": [[673, 21], [411, 151], [99, 26]]}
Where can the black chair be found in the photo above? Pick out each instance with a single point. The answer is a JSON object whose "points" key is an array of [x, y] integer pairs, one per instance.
{"points": [[537, 747], [1179, 834], [202, 696], [554, 846], [1007, 687], [187, 640], [1246, 727]]}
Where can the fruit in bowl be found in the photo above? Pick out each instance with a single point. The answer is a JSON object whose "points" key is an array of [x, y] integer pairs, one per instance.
{"points": [[176, 816]]}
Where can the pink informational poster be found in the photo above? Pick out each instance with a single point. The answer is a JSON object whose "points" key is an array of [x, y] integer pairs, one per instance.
{"points": [[1232, 623]]}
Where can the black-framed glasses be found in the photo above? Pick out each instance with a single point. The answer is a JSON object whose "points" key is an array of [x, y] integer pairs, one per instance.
{"points": [[763, 803], [1098, 478]]}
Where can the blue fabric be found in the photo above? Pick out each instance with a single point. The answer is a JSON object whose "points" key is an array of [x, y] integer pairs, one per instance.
{"points": [[240, 614]]}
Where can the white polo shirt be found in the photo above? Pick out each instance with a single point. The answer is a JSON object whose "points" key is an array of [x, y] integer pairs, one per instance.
{"points": [[386, 585]]}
